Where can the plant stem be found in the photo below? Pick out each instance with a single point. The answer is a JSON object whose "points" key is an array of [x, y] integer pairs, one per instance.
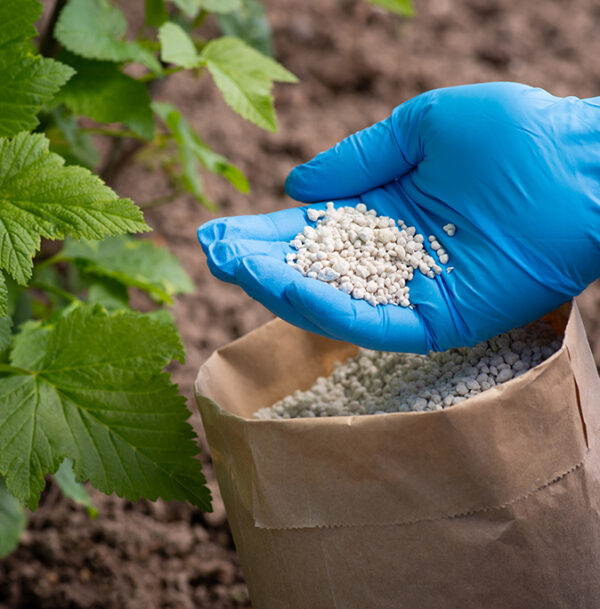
{"points": [[202, 15], [166, 72], [58, 257], [46, 287], [48, 43]]}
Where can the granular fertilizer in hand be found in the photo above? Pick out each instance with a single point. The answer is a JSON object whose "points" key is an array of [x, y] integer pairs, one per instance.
{"points": [[367, 256]]}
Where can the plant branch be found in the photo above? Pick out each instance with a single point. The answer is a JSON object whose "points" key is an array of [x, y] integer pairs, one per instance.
{"points": [[49, 44]]}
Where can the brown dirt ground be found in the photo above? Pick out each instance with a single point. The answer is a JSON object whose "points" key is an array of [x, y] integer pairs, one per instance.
{"points": [[355, 63]]}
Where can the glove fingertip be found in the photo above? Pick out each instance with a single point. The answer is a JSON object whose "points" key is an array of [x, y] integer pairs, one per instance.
{"points": [[209, 232], [295, 185]]}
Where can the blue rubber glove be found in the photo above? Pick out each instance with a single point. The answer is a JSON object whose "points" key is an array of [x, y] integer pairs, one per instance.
{"points": [[516, 169]]}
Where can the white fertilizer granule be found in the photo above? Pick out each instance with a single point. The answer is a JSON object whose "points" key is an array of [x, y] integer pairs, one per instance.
{"points": [[376, 382], [362, 254]]}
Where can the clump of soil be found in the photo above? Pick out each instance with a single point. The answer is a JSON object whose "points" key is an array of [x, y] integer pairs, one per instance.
{"points": [[355, 63]]}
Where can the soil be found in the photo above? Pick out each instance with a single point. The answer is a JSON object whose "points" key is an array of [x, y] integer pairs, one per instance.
{"points": [[355, 63]]}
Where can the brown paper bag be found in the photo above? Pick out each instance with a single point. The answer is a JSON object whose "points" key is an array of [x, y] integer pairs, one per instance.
{"points": [[491, 504]]}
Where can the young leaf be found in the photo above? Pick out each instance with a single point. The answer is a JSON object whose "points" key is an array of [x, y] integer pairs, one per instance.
{"points": [[156, 12], [65, 478], [94, 29], [102, 92], [250, 24], [67, 140], [177, 47], [39, 196], [245, 77], [12, 521], [90, 388], [132, 262], [400, 7], [193, 151], [28, 82]]}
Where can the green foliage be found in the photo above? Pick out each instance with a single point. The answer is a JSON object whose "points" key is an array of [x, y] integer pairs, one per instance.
{"points": [[5, 326], [89, 387], [65, 478], [39, 196], [110, 293], [67, 140], [177, 47], [220, 6], [83, 392], [194, 152], [400, 7], [245, 78], [16, 20], [250, 24], [131, 262], [156, 12], [94, 29], [191, 8], [12, 520], [102, 92], [28, 81]]}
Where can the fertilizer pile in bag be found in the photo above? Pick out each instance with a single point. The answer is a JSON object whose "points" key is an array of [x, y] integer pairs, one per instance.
{"points": [[377, 382]]}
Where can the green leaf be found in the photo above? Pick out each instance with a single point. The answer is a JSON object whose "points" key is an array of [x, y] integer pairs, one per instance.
{"points": [[251, 25], [156, 12], [177, 47], [28, 82], [400, 7], [19, 301], [191, 8], [5, 332], [193, 151], [102, 92], [110, 293], [90, 388], [40, 197], [12, 521], [132, 262], [220, 6], [16, 20], [71, 488], [94, 29], [67, 140], [245, 77], [3, 298]]}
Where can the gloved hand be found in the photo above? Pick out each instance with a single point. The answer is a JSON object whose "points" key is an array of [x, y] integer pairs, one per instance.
{"points": [[516, 169]]}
